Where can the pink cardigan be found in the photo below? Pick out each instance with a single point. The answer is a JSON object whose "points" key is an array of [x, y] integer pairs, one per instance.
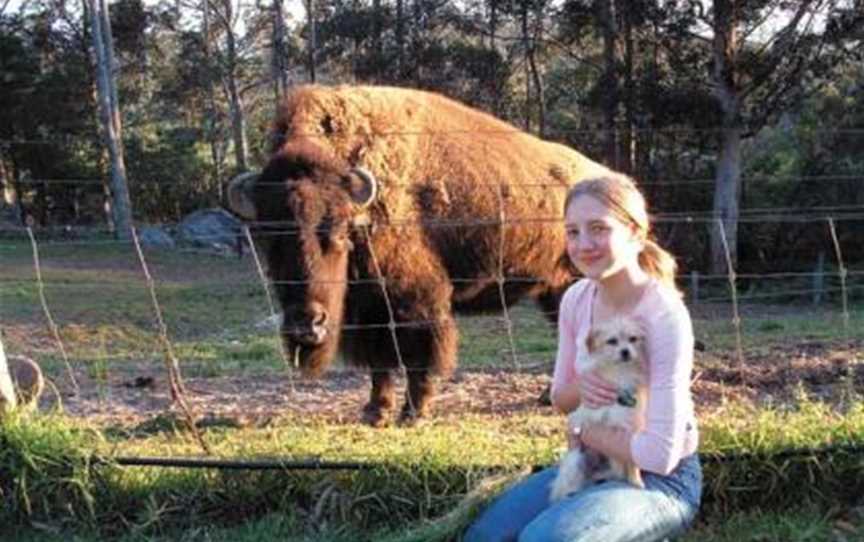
{"points": [[670, 431]]}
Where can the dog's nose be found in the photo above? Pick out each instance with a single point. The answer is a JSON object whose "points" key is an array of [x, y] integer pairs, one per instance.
{"points": [[625, 355]]}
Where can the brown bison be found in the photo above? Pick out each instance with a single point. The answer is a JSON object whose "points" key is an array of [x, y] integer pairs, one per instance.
{"points": [[386, 210]]}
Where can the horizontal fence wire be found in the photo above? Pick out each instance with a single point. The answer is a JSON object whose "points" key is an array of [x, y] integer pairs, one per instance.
{"points": [[272, 229], [820, 179], [683, 280], [473, 131], [494, 278], [287, 464]]}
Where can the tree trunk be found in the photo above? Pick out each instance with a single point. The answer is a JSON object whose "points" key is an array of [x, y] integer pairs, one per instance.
{"points": [[606, 14], [312, 44], [727, 182], [211, 120], [377, 48], [631, 136], [8, 194], [400, 37], [527, 47], [235, 100], [417, 36], [110, 114], [493, 46], [493, 23], [278, 64], [727, 190], [535, 73]]}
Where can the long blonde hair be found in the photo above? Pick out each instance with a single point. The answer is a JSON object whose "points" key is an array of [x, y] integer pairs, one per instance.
{"points": [[621, 195]]}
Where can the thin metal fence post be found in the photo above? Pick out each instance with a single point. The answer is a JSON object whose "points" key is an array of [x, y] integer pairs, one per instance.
{"points": [[841, 272], [391, 325], [736, 317], [175, 380], [263, 277], [40, 284], [508, 324]]}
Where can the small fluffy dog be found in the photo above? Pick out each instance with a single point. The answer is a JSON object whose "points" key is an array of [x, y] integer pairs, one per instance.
{"points": [[616, 350]]}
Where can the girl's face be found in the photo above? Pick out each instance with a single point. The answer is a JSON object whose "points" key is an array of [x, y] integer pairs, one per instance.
{"points": [[598, 243]]}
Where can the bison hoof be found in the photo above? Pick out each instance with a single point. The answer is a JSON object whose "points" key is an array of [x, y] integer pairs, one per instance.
{"points": [[376, 417], [410, 418]]}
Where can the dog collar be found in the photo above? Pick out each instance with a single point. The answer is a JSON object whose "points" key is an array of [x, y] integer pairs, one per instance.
{"points": [[626, 398]]}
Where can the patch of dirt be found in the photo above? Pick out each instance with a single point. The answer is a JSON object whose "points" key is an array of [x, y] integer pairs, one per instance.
{"points": [[776, 375]]}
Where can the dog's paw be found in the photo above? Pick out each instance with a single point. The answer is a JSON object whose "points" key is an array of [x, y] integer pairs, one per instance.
{"points": [[571, 476]]}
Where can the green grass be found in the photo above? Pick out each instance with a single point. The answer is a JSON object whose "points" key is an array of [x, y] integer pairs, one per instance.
{"points": [[805, 525], [796, 324], [422, 479]]}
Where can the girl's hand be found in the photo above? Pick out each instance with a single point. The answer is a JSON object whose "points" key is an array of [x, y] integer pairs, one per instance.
{"points": [[595, 391]]}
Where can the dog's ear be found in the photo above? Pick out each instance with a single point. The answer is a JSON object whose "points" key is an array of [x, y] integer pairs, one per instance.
{"points": [[591, 340]]}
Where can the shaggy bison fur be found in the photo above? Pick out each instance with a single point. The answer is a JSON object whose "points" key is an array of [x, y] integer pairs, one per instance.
{"points": [[386, 210]]}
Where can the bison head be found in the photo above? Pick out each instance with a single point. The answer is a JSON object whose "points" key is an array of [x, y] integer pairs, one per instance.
{"points": [[304, 208]]}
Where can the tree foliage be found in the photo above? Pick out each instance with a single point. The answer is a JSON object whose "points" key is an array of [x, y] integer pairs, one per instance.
{"points": [[635, 84]]}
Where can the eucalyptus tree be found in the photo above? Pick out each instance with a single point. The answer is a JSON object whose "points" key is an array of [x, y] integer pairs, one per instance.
{"points": [[109, 107], [765, 56]]}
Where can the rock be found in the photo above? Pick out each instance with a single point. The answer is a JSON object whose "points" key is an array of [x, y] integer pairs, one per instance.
{"points": [[155, 237], [27, 379], [212, 228]]}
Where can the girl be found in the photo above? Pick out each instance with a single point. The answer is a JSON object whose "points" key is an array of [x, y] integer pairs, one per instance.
{"points": [[626, 274]]}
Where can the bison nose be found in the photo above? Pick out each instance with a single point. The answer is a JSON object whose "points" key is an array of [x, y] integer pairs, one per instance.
{"points": [[319, 323], [318, 315], [309, 325]]}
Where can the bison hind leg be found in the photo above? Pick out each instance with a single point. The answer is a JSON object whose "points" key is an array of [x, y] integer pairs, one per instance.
{"points": [[429, 353]]}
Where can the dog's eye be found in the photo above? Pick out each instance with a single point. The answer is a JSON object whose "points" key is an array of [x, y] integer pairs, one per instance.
{"points": [[612, 342], [634, 339]]}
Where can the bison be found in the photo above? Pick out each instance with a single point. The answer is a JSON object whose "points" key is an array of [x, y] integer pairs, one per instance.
{"points": [[384, 211]]}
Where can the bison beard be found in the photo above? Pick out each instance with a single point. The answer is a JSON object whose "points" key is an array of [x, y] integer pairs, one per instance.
{"points": [[368, 228]]}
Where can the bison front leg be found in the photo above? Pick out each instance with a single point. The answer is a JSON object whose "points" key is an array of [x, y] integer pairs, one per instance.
{"points": [[382, 399]]}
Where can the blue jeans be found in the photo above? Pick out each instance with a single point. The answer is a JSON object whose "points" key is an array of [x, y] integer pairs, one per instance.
{"points": [[606, 512]]}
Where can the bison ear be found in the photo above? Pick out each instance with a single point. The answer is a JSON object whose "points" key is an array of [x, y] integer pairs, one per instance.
{"points": [[362, 186], [240, 196]]}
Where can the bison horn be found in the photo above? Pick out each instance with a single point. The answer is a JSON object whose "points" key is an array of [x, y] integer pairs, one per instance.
{"points": [[362, 186], [239, 200]]}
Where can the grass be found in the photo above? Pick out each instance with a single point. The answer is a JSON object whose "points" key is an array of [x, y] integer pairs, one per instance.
{"points": [[804, 525], [425, 474]]}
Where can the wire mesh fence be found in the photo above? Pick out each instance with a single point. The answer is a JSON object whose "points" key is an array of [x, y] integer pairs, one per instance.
{"points": [[128, 331], [108, 318]]}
